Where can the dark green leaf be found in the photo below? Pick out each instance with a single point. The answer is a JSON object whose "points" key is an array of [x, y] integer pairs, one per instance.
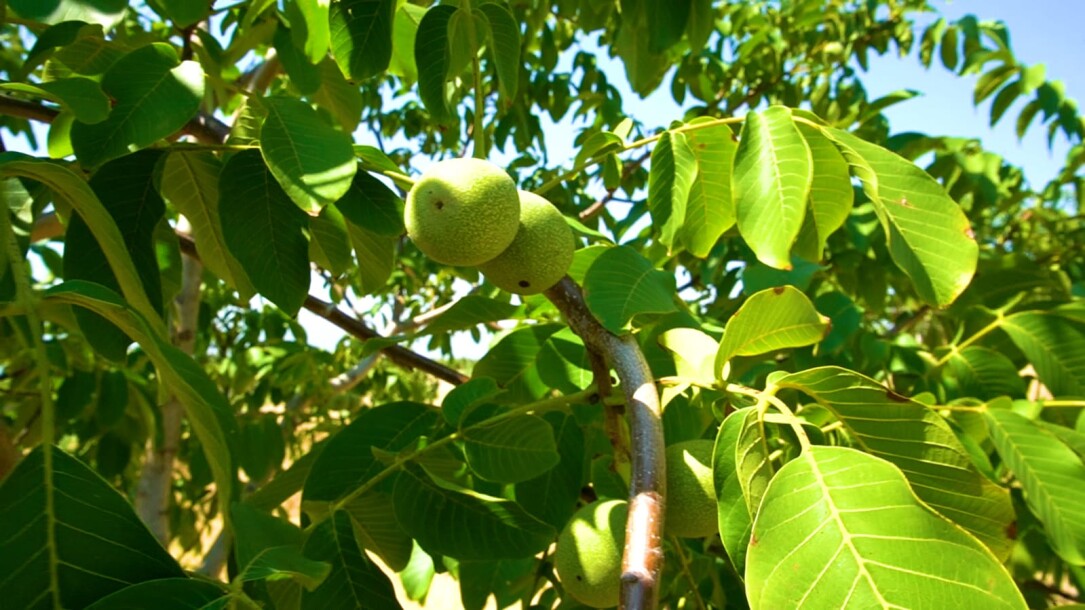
{"points": [[552, 496], [342, 99], [304, 75], [510, 450], [361, 36], [469, 312], [104, 12], [329, 244], [378, 531], [666, 22], [286, 562], [372, 206], [621, 284], [432, 57], [184, 13], [511, 363], [376, 258], [354, 581], [504, 46], [82, 96], [166, 594]]}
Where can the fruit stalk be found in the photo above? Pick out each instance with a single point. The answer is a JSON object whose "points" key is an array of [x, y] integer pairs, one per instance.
{"points": [[642, 561]]}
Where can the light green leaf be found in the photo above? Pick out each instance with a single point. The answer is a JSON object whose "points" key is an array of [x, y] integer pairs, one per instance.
{"points": [[348, 460], [920, 443], [694, 353], [466, 525], [376, 258], [82, 96], [1053, 477], [735, 522], [1055, 347], [285, 562], [928, 234], [673, 169], [468, 313], [841, 529], [432, 56], [711, 208], [985, 373], [208, 412], [52, 545], [770, 320], [621, 284], [377, 530], [771, 182], [354, 581], [361, 36], [831, 194], [184, 13], [265, 231], [314, 29], [342, 99], [154, 95], [181, 593], [304, 75], [190, 182], [753, 465], [313, 162], [329, 242], [510, 450], [504, 46], [105, 12], [404, 35]]}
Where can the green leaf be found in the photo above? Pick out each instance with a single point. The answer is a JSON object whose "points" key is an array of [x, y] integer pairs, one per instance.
{"points": [[1055, 347], [919, 442], [378, 531], [404, 38], [510, 450], [673, 169], [256, 531], [951, 48], [371, 205], [753, 465], [343, 100], [468, 313], [928, 234], [552, 496], [329, 244], [1052, 476], [166, 594], [432, 56], [190, 182], [303, 74], [770, 320], [69, 537], [348, 461], [361, 36], [74, 191], [771, 182], [354, 581], [694, 353], [831, 194], [839, 528], [511, 363], [209, 415], [107, 13], [126, 186], [285, 562], [466, 525], [711, 209], [154, 95], [376, 258], [666, 22], [460, 398], [264, 231], [701, 24], [504, 46], [313, 162], [82, 96], [735, 522], [985, 373], [621, 284], [314, 27]]}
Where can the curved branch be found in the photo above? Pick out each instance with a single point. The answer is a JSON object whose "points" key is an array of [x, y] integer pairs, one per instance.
{"points": [[642, 562]]}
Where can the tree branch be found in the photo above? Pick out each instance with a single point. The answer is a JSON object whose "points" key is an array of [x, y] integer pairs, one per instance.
{"points": [[642, 563]]}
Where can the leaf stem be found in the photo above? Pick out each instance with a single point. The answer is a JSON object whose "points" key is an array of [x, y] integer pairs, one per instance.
{"points": [[683, 562], [981, 333]]}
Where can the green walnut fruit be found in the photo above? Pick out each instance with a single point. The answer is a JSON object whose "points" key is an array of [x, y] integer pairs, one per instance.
{"points": [[691, 495], [463, 212], [539, 255], [589, 554]]}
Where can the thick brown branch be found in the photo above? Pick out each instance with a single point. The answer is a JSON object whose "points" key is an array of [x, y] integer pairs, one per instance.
{"points": [[642, 563]]}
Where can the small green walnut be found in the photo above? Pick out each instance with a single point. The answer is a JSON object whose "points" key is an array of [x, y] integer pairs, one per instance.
{"points": [[691, 495], [588, 559], [463, 212], [539, 255]]}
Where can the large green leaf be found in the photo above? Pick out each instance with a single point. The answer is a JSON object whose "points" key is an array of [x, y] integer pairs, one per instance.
{"points": [[735, 522], [286, 562], [468, 313], [348, 461], [166, 594], [354, 580], [771, 182], [184, 13], [378, 531], [929, 236], [552, 496], [304, 75], [432, 57], [673, 169], [208, 412], [69, 537], [711, 208], [82, 96], [831, 193], [314, 31], [504, 46], [694, 353], [126, 187], [361, 35], [919, 442], [104, 12], [264, 231], [511, 363], [369, 204], [841, 529], [621, 284], [343, 100], [1054, 345], [190, 182], [1053, 477], [770, 320], [329, 241], [376, 256], [510, 450], [985, 373], [466, 525], [312, 161], [154, 94]]}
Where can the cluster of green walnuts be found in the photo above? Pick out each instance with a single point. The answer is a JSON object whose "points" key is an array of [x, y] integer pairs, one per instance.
{"points": [[468, 213]]}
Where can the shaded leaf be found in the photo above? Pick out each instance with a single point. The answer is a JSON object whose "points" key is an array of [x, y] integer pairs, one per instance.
{"points": [[510, 450], [377, 530], [376, 256], [361, 36], [314, 29], [621, 284], [286, 562], [82, 96], [166, 594], [552, 496], [432, 56], [504, 46], [354, 581], [1055, 347], [469, 312]]}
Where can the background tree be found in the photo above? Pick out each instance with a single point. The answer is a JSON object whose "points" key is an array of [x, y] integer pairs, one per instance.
{"points": [[889, 363]]}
